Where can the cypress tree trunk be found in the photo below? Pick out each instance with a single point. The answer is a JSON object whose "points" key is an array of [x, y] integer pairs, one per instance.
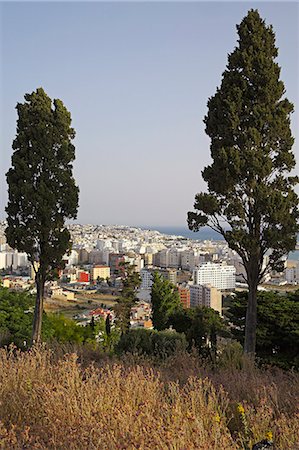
{"points": [[38, 310], [251, 319]]}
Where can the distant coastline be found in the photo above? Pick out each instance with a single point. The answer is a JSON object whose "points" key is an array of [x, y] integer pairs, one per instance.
{"points": [[203, 234]]}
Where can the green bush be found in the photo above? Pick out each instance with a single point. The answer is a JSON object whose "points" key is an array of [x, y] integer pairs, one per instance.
{"points": [[16, 318], [151, 342], [16, 315]]}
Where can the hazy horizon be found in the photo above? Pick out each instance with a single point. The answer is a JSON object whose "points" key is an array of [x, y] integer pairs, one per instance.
{"points": [[136, 78]]}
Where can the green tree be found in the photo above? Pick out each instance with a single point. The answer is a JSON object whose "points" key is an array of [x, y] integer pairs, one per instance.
{"points": [[151, 342], [16, 312], [165, 301], [277, 325], [251, 200], [63, 329], [41, 188], [127, 299], [201, 326]]}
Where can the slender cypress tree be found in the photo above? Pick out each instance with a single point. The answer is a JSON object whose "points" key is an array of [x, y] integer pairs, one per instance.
{"points": [[165, 301], [251, 199], [41, 188], [127, 299]]}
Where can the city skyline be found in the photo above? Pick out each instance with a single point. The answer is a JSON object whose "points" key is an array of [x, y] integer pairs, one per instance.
{"points": [[136, 78]]}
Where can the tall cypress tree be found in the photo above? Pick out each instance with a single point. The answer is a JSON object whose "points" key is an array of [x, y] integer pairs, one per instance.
{"points": [[128, 298], [41, 188], [251, 199], [165, 301]]}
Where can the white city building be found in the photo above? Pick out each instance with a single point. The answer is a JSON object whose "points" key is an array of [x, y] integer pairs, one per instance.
{"points": [[72, 258], [13, 259], [292, 274], [20, 260], [220, 276], [6, 260]]}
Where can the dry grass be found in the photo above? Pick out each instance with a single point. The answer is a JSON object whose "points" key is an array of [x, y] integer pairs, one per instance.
{"points": [[51, 401]]}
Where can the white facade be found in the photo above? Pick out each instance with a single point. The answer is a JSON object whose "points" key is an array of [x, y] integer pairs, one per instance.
{"points": [[220, 276], [292, 274], [3, 260], [73, 258], [20, 260], [14, 259]]}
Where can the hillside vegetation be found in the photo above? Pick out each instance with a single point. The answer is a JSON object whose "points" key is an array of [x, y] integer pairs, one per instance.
{"points": [[79, 399]]}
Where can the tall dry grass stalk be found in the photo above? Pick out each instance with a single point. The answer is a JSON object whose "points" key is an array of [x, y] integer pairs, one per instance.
{"points": [[51, 401]]}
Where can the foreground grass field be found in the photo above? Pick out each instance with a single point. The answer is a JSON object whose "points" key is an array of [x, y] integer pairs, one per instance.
{"points": [[81, 400]]}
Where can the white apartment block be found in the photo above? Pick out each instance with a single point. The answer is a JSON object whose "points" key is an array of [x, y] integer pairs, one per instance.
{"points": [[13, 259], [220, 276], [72, 258], [205, 296], [20, 260]]}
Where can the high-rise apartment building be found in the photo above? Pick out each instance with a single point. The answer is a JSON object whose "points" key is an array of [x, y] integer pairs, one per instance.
{"points": [[220, 276], [209, 296]]}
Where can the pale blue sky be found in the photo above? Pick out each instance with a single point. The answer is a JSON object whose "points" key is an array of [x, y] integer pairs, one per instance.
{"points": [[136, 78]]}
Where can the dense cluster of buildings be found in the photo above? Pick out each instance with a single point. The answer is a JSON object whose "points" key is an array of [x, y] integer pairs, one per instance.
{"points": [[201, 270]]}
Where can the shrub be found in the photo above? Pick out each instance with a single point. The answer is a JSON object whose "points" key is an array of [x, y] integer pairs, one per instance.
{"points": [[151, 342]]}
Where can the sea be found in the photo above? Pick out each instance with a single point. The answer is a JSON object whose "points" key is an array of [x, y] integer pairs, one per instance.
{"points": [[203, 234]]}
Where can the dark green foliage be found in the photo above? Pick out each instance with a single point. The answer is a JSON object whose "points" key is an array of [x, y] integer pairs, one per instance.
{"points": [[201, 326], [128, 299], [41, 188], [249, 187], [151, 342], [277, 326], [63, 329], [16, 313], [165, 301]]}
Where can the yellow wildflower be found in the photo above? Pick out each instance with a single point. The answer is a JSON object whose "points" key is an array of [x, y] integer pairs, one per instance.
{"points": [[241, 409], [269, 436], [217, 418]]}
